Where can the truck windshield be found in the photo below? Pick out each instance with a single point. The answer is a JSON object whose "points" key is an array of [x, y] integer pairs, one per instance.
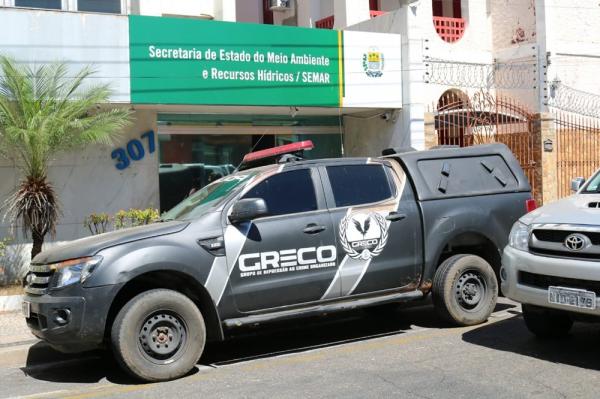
{"points": [[209, 196], [593, 186]]}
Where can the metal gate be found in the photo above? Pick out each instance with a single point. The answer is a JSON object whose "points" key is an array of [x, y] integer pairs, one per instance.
{"points": [[578, 148], [486, 118]]}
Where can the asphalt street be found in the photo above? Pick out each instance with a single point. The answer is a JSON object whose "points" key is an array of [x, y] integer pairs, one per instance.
{"points": [[403, 352]]}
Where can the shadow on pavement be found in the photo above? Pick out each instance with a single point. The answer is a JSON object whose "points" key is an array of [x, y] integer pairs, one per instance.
{"points": [[326, 331], [579, 349], [43, 363]]}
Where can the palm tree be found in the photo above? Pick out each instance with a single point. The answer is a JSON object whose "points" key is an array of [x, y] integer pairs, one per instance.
{"points": [[43, 112]]}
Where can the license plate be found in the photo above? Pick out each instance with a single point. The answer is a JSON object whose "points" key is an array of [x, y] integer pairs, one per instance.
{"points": [[26, 308], [572, 297]]}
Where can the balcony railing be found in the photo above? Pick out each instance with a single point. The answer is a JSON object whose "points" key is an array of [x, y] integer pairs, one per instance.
{"points": [[325, 23], [375, 13], [449, 29]]}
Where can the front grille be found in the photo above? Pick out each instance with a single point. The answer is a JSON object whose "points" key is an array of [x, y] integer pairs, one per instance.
{"points": [[561, 235], [551, 242], [594, 205], [543, 281], [38, 279], [564, 254]]}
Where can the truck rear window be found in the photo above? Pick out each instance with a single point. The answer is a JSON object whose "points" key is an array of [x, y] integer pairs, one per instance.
{"points": [[358, 184]]}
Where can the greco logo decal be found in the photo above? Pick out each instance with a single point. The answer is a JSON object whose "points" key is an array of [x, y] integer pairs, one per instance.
{"points": [[287, 260], [363, 235]]}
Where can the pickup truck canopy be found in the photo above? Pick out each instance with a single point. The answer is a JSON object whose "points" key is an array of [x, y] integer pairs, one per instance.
{"points": [[463, 172]]}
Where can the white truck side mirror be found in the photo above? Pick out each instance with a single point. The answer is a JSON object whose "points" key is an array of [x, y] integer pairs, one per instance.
{"points": [[577, 183]]}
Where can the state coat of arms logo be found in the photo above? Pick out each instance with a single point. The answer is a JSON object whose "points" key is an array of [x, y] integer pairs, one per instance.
{"points": [[373, 62], [363, 235]]}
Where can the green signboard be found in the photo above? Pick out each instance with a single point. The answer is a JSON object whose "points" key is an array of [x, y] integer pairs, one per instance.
{"points": [[187, 61]]}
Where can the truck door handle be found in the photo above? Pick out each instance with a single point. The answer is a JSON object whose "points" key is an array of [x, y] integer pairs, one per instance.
{"points": [[313, 228], [395, 216]]}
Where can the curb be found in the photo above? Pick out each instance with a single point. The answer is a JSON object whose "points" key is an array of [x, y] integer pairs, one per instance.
{"points": [[10, 303]]}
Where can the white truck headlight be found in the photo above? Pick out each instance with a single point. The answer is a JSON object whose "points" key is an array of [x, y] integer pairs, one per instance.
{"points": [[519, 236], [74, 270]]}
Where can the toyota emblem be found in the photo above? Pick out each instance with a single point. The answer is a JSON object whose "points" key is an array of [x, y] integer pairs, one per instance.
{"points": [[576, 241]]}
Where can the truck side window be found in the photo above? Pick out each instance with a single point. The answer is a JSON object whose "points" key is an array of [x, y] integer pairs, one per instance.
{"points": [[358, 184], [287, 192]]}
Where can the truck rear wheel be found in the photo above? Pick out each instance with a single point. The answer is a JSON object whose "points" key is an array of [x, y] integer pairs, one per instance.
{"points": [[158, 335], [465, 290], [546, 323]]}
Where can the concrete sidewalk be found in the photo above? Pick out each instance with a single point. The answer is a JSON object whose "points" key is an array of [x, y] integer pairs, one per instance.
{"points": [[10, 303], [14, 330]]}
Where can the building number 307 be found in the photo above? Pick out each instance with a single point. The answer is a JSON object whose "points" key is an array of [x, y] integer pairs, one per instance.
{"points": [[134, 150]]}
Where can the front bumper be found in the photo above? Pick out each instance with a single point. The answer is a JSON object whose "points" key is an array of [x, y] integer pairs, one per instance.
{"points": [[515, 261], [70, 320]]}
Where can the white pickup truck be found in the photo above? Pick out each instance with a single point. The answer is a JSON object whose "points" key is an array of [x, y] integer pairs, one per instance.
{"points": [[552, 262]]}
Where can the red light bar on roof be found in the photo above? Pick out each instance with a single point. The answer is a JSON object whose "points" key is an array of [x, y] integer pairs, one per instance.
{"points": [[282, 149]]}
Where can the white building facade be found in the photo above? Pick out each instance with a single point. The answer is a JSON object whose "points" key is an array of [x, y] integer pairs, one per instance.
{"points": [[533, 51], [203, 92]]}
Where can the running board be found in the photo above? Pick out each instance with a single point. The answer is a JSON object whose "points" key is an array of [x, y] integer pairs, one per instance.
{"points": [[322, 309]]}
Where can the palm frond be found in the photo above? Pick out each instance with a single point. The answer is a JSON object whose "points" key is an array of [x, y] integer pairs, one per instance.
{"points": [[43, 112]]}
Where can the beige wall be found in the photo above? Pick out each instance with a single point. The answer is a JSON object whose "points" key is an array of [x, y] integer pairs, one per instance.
{"points": [[573, 40], [367, 136], [350, 12], [249, 11], [513, 22], [389, 5]]}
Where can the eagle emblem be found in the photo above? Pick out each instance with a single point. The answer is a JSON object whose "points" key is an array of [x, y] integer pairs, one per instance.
{"points": [[363, 229]]}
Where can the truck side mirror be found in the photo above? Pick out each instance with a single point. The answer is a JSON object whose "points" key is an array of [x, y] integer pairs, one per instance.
{"points": [[577, 183], [247, 209]]}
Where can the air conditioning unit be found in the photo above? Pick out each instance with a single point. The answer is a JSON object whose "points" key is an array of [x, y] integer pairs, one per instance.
{"points": [[279, 5]]}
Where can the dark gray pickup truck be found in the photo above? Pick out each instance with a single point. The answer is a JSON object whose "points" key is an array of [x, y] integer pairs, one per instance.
{"points": [[280, 241]]}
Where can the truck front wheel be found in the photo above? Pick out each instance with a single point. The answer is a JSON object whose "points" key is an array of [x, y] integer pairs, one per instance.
{"points": [[465, 290], [545, 323], [158, 335]]}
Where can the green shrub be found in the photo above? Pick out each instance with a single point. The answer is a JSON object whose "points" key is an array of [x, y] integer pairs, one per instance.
{"points": [[8, 275], [101, 222], [97, 223], [135, 217], [2, 247], [3, 244], [140, 217], [120, 219]]}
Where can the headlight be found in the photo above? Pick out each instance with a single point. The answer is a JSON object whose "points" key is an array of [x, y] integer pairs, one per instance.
{"points": [[74, 270], [519, 236]]}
